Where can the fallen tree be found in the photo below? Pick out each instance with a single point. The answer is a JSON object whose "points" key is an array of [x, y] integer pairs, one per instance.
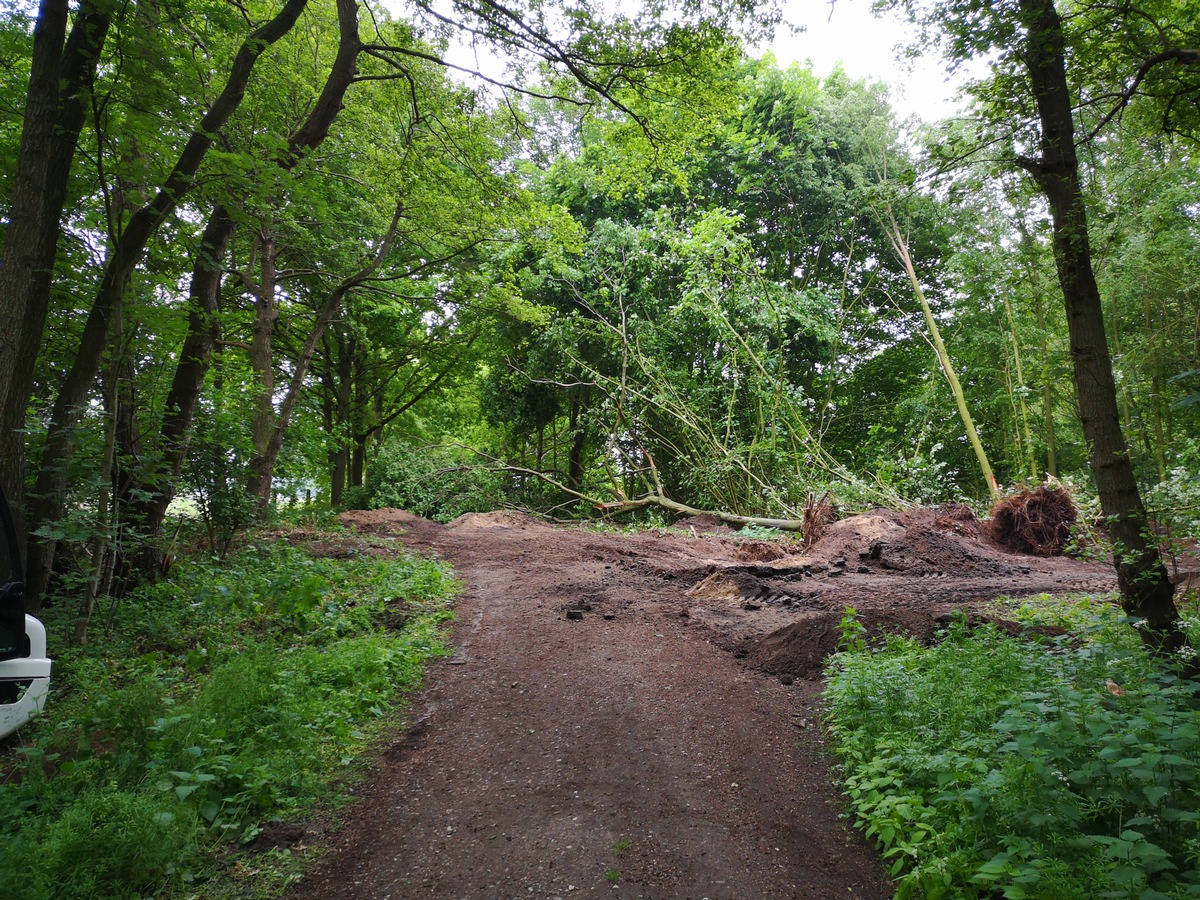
{"points": [[657, 499]]}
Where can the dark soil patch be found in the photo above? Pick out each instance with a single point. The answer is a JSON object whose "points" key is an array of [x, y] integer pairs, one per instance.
{"points": [[800, 649], [608, 691], [277, 835]]}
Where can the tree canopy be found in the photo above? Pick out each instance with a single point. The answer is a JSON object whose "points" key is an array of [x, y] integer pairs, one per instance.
{"points": [[262, 251]]}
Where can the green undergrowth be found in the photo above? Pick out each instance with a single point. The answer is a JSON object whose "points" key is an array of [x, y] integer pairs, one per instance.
{"points": [[988, 765], [237, 693]]}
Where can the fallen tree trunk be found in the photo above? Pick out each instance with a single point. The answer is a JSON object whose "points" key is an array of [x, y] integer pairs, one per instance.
{"points": [[659, 500], [623, 506]]}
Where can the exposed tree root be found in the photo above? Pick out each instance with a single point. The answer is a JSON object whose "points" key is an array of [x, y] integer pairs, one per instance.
{"points": [[1036, 522], [818, 515]]}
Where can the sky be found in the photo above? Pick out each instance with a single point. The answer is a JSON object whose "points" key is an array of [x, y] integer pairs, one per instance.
{"points": [[866, 47], [845, 32]]}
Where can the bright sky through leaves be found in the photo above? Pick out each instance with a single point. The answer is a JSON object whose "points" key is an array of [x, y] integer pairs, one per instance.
{"points": [[867, 47], [845, 32]]}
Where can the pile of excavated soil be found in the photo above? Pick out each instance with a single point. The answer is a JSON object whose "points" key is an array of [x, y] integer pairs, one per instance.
{"points": [[703, 524], [920, 542], [380, 519], [902, 571], [504, 518]]}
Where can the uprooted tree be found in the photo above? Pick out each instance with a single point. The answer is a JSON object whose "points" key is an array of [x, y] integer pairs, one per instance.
{"points": [[1032, 43]]}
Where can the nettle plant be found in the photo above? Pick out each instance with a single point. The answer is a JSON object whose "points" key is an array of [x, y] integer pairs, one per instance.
{"points": [[1021, 767]]}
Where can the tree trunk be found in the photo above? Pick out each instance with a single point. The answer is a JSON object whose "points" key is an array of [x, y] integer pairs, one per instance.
{"points": [[268, 433], [338, 381], [101, 544], [59, 85], [262, 364], [149, 514], [1146, 590], [1160, 444], [124, 258], [1030, 456], [358, 461], [578, 431], [1047, 396], [935, 337]]}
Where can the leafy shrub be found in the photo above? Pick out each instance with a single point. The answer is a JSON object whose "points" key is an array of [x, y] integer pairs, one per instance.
{"points": [[216, 465], [106, 843], [990, 765], [433, 482]]}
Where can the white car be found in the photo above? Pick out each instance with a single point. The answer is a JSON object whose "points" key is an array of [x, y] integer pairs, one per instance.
{"points": [[24, 666]]}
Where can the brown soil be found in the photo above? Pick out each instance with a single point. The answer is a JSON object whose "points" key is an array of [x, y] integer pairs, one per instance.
{"points": [[638, 715]]}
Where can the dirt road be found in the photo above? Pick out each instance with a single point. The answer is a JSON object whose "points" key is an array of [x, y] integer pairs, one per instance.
{"points": [[594, 736]]}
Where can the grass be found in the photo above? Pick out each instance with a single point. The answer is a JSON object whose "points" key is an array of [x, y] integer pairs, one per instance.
{"points": [[993, 766], [229, 696]]}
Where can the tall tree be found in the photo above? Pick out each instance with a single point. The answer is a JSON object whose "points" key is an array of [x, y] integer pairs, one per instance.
{"points": [[124, 256], [1032, 43], [56, 102]]}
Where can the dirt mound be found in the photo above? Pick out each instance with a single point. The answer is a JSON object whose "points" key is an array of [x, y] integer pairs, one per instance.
{"points": [[502, 518], [703, 524], [1036, 522], [379, 519], [924, 542], [961, 519], [759, 551], [928, 550], [722, 586], [801, 649], [860, 532]]}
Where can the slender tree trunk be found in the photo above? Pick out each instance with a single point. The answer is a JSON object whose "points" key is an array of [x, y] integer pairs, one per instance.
{"points": [[1160, 454], [1030, 457], [578, 432], [1047, 395], [262, 364], [101, 549], [150, 513], [128, 467], [343, 398], [935, 336], [1123, 399], [358, 462], [1146, 590], [337, 476], [268, 433]]}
